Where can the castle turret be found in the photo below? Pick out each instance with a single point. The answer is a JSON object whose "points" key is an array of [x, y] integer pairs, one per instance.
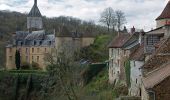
{"points": [[164, 18], [34, 19]]}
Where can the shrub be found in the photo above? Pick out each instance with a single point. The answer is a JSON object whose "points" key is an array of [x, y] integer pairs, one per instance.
{"points": [[25, 65], [35, 66], [92, 70]]}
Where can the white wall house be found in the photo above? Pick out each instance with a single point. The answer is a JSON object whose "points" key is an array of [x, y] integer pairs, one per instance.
{"points": [[117, 56], [135, 77]]}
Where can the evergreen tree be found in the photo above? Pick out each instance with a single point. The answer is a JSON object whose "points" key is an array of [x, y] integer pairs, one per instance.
{"points": [[17, 59]]}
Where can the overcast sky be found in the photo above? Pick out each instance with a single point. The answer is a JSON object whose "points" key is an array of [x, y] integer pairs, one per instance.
{"points": [[139, 13]]}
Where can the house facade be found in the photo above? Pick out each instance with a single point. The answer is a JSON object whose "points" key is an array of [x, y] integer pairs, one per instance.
{"points": [[117, 58], [136, 63]]}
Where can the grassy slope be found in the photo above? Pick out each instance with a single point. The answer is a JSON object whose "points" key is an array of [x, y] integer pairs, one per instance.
{"points": [[98, 88]]}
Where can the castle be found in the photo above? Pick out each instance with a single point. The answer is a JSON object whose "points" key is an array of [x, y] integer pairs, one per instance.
{"points": [[35, 43]]}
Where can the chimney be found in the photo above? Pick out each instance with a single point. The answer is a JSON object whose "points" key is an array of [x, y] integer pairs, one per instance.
{"points": [[141, 37], [35, 2], [133, 30]]}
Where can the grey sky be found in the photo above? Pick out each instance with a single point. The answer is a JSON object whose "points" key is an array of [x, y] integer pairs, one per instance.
{"points": [[139, 13]]}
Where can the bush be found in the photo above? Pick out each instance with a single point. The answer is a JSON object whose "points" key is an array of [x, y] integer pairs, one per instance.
{"points": [[35, 66], [25, 65], [92, 70]]}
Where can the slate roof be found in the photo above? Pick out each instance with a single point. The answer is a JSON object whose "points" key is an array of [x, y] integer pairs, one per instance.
{"points": [[119, 40], [166, 12], [157, 31], [156, 76], [35, 12], [35, 38]]}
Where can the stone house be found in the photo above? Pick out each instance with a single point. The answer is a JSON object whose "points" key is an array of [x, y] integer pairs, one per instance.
{"points": [[156, 74], [162, 31], [72, 41], [119, 51]]}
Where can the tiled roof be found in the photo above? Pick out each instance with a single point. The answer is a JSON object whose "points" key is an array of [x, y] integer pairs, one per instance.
{"points": [[35, 12], [119, 40], [165, 13], [138, 54], [160, 57], [156, 76]]}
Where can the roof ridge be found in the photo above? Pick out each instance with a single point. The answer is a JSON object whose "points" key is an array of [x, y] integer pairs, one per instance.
{"points": [[165, 13]]}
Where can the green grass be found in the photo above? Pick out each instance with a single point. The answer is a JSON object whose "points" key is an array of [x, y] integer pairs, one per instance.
{"points": [[99, 87]]}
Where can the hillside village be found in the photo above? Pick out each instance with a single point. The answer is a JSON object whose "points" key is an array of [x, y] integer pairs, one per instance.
{"points": [[69, 65]]}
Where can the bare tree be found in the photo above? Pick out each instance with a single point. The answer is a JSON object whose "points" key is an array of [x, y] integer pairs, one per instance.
{"points": [[106, 17], [121, 19]]}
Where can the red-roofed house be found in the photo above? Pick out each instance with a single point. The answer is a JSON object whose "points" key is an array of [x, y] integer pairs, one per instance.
{"points": [[119, 50]]}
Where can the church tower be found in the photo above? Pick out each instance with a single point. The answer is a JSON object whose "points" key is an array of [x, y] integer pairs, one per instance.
{"points": [[164, 18], [34, 18]]}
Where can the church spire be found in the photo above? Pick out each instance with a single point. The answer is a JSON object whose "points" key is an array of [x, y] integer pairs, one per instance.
{"points": [[35, 2], [35, 12]]}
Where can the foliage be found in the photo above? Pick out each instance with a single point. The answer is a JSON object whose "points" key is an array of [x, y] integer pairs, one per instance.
{"points": [[17, 60], [62, 76], [25, 65], [114, 19], [98, 88], [92, 70], [127, 70], [35, 66], [16, 85], [97, 52]]}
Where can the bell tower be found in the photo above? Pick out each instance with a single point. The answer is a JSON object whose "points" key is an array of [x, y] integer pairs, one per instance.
{"points": [[34, 18]]}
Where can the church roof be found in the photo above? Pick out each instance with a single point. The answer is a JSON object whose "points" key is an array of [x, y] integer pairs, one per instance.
{"points": [[35, 12], [165, 13]]}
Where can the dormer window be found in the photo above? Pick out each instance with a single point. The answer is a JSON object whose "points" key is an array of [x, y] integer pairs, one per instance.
{"points": [[35, 43], [49, 42], [40, 42]]}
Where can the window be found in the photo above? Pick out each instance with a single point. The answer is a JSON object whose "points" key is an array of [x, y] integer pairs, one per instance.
{"points": [[32, 58], [35, 43], [38, 50], [40, 42], [19, 49], [10, 58], [45, 49], [10, 50], [151, 39], [27, 58], [49, 42], [32, 50], [136, 81], [37, 58], [26, 51]]}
